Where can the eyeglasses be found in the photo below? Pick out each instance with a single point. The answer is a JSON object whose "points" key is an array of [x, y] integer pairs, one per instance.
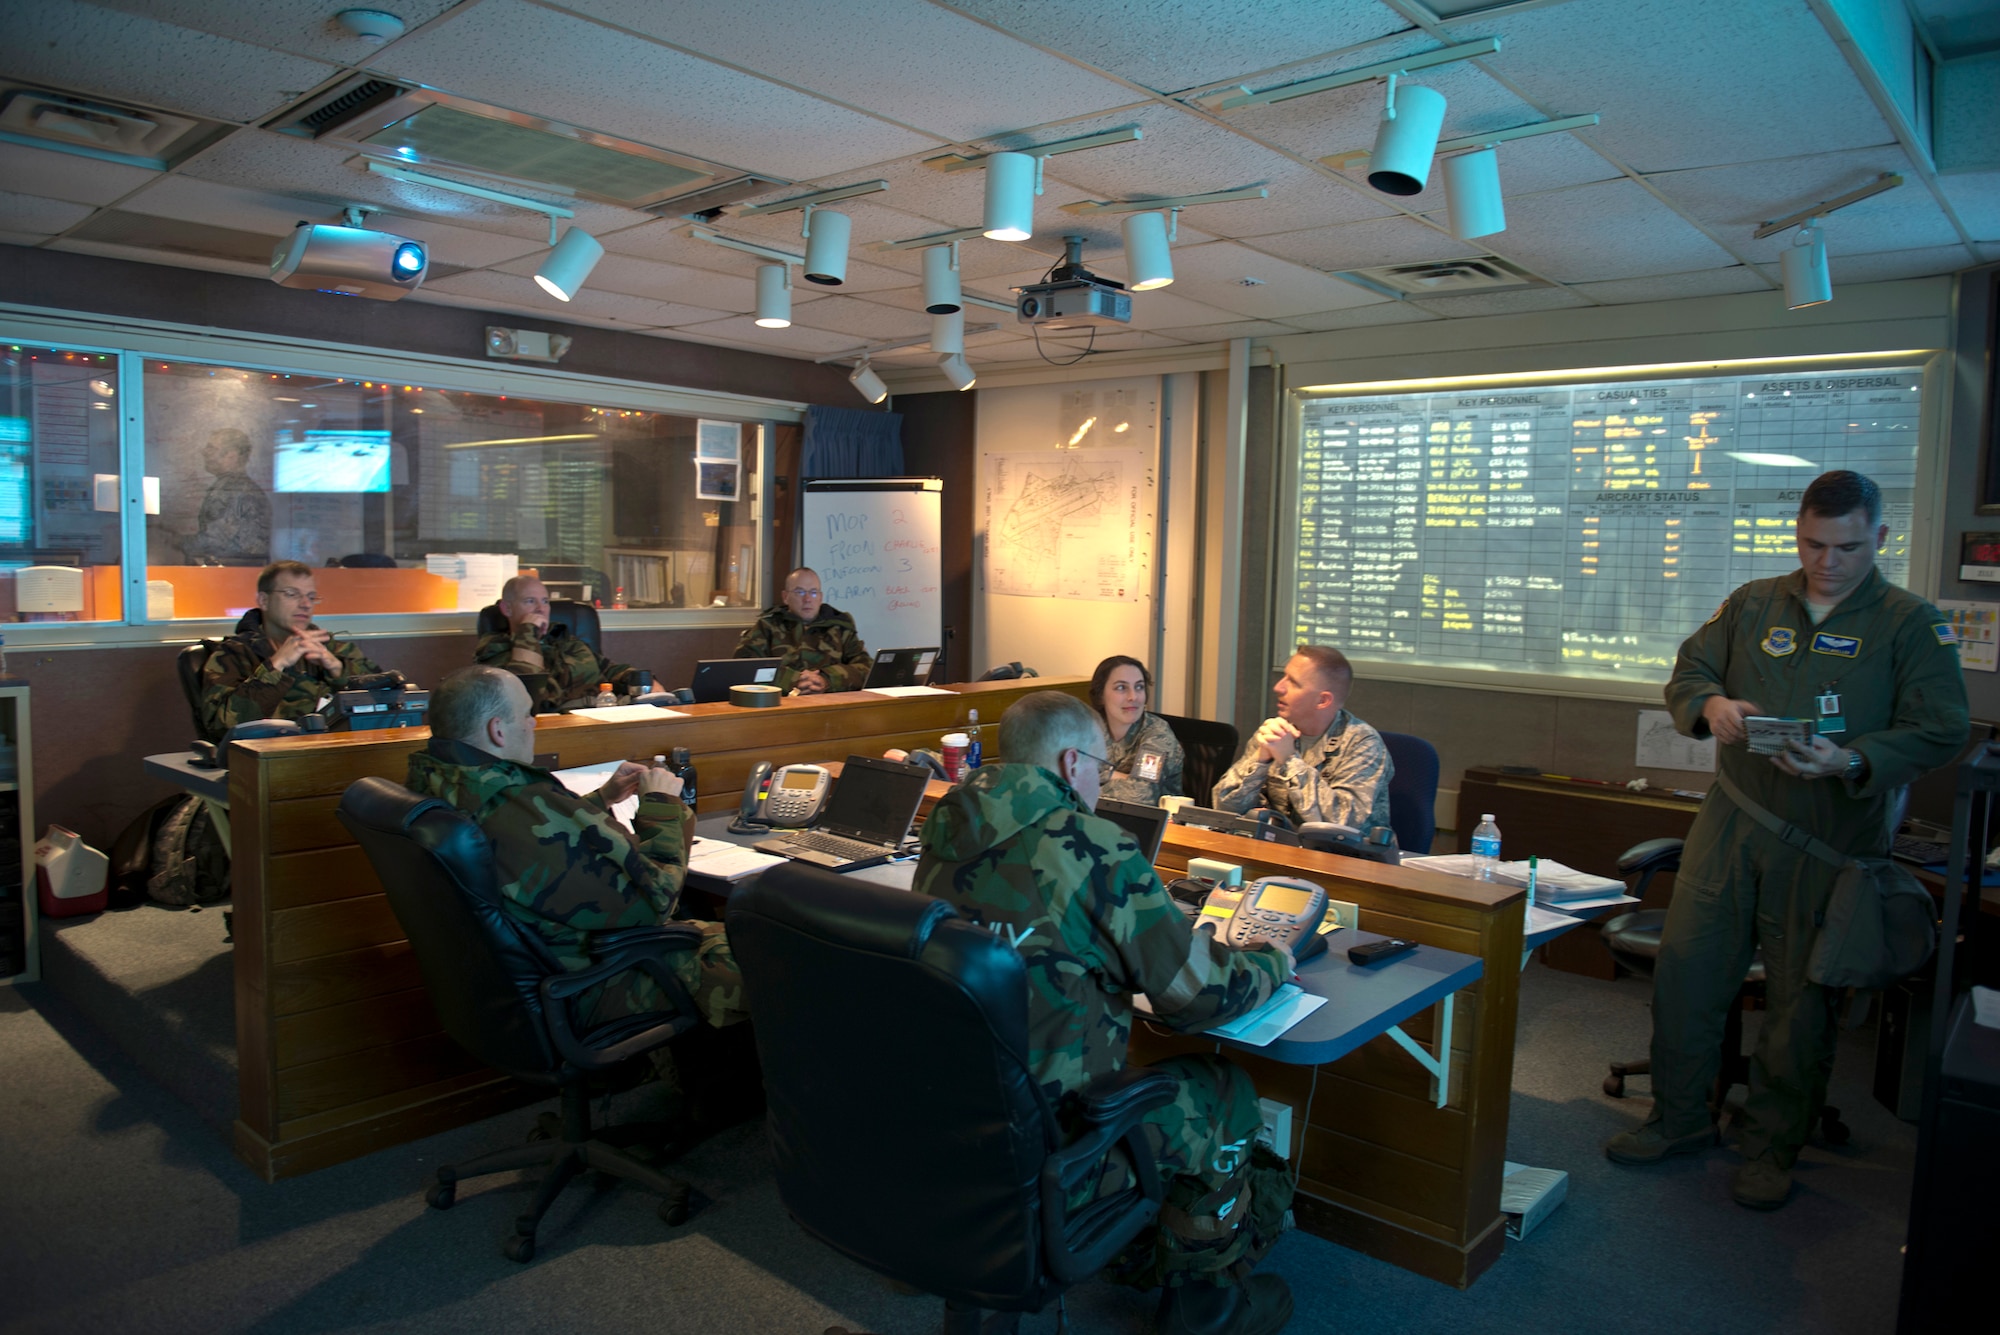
{"points": [[298, 596], [1103, 765], [805, 593]]}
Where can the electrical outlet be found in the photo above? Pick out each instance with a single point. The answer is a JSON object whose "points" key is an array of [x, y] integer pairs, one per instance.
{"points": [[1343, 913], [1277, 1132]]}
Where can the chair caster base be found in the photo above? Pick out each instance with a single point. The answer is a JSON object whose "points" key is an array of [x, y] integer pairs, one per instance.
{"points": [[519, 1248], [442, 1196]]}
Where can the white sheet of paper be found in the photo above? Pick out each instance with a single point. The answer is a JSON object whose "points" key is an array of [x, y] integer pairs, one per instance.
{"points": [[1661, 747], [731, 862], [1290, 1004], [1542, 920], [1573, 906], [907, 690], [1986, 1007], [585, 779], [626, 714]]}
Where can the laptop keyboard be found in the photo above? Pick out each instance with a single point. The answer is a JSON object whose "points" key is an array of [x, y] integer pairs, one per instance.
{"points": [[1923, 852], [819, 841]]}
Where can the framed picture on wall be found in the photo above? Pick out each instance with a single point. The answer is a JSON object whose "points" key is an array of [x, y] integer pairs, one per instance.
{"points": [[717, 481]]}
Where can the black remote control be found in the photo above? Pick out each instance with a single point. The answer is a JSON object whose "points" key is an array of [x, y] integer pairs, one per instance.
{"points": [[1374, 952]]}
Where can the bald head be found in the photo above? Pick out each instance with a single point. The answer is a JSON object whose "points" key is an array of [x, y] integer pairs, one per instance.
{"points": [[524, 599], [487, 708], [801, 594]]}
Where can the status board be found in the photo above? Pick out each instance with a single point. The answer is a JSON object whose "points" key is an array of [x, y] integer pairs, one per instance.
{"points": [[1575, 530]]}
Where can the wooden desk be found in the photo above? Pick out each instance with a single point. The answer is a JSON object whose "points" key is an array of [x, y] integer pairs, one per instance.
{"points": [[1582, 825], [1383, 1169], [338, 1050]]}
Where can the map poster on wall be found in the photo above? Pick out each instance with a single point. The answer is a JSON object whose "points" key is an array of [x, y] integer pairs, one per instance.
{"points": [[1066, 524], [1576, 530]]}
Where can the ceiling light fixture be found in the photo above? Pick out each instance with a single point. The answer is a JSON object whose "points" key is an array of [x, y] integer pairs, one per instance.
{"points": [[1807, 282], [826, 246], [1472, 196], [870, 385], [774, 296], [948, 333], [1149, 259], [563, 273], [714, 238], [1012, 182], [816, 199], [1406, 140], [1228, 99], [941, 294], [957, 371], [370, 25]]}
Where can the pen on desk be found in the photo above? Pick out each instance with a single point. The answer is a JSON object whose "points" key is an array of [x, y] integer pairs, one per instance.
{"points": [[1533, 862]]}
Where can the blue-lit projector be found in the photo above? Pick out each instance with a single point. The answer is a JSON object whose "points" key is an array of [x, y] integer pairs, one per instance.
{"points": [[409, 261]]}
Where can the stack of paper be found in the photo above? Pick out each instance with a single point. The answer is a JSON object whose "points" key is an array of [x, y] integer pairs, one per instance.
{"points": [[479, 574], [625, 714], [727, 861], [1557, 884]]}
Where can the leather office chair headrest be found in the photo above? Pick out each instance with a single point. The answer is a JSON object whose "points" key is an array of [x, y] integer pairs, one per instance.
{"points": [[831, 907]]}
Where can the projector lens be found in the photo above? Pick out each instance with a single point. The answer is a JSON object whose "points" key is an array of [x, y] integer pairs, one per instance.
{"points": [[408, 261]]}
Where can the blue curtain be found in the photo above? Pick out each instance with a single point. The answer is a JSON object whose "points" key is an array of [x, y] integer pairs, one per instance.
{"points": [[851, 442]]}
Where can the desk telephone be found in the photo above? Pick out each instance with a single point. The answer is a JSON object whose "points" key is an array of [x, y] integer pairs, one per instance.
{"points": [[1275, 910], [790, 798]]}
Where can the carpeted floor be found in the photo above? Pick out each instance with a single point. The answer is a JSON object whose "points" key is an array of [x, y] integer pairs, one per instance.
{"points": [[125, 1212]]}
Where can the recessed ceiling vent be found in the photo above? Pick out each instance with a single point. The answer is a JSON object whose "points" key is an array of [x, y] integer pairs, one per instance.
{"points": [[1443, 278], [421, 127], [98, 129]]}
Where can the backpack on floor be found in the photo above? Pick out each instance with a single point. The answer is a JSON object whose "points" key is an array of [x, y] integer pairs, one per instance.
{"points": [[189, 863]]}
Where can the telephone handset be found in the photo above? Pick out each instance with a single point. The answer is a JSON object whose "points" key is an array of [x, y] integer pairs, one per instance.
{"points": [[1278, 910], [788, 798]]}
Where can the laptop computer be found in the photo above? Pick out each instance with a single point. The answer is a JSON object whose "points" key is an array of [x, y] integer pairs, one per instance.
{"points": [[1146, 824], [901, 667], [866, 819], [714, 676]]}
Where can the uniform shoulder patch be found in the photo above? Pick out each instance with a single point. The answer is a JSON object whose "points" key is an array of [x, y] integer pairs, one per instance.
{"points": [[1716, 613], [1779, 641], [1839, 646], [1945, 634]]}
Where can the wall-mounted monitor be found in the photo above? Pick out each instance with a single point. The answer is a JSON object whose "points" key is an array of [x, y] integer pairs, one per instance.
{"points": [[335, 461]]}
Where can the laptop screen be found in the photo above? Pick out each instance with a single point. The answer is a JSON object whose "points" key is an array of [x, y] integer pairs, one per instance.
{"points": [[1145, 824], [714, 676], [875, 799], [901, 667]]}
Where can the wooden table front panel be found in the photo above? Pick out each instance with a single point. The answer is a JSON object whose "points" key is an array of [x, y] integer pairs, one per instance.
{"points": [[339, 1052]]}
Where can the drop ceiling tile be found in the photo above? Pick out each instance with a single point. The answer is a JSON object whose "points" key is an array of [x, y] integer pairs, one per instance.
{"points": [[989, 82], [1687, 83], [727, 292], [1360, 317], [1364, 245], [172, 259], [284, 25], [1213, 274], [195, 200], [1676, 286], [862, 321], [1735, 201], [22, 238], [129, 56], [1526, 166], [521, 293], [80, 180], [1503, 303], [1169, 45], [36, 215], [1222, 333], [1592, 232], [1896, 264], [668, 305], [1114, 340], [800, 340], [513, 54], [1975, 197], [870, 219]]}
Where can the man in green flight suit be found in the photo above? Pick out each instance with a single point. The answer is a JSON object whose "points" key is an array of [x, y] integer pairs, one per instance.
{"points": [[557, 667], [1876, 668], [1017, 849], [820, 645], [567, 866], [284, 668]]}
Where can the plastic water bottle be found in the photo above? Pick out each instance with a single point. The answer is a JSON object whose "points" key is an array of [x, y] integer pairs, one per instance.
{"points": [[606, 697], [1485, 848], [972, 751]]}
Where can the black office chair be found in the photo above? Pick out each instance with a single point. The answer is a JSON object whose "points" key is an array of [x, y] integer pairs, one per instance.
{"points": [[365, 561], [252, 619], [1208, 749], [1413, 790], [188, 664], [503, 997], [909, 1132], [579, 619], [1634, 942]]}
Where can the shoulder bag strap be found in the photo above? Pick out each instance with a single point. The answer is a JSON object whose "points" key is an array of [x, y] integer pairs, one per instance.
{"points": [[1789, 833]]}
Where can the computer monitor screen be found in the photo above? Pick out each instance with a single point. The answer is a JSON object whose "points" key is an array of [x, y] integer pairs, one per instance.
{"points": [[337, 461], [875, 799], [1145, 824], [901, 667], [714, 676]]}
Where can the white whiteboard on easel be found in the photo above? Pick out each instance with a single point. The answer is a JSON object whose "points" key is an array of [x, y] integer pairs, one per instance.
{"points": [[877, 547]]}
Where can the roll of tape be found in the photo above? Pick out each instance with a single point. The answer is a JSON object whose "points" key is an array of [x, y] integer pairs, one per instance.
{"points": [[755, 697]]}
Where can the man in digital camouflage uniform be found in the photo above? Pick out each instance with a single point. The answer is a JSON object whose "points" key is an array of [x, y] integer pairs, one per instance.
{"points": [[555, 666], [285, 667], [233, 527], [821, 648], [567, 867], [1017, 849], [1876, 668], [1314, 761]]}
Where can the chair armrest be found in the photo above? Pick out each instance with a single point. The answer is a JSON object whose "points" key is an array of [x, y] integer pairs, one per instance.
{"points": [[1121, 1096], [604, 943], [1078, 1245], [614, 953], [1651, 856]]}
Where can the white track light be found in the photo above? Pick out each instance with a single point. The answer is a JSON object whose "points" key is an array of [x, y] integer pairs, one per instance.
{"points": [[957, 371], [826, 247], [864, 379], [941, 296], [1010, 196], [1472, 194], [948, 333], [1807, 282], [1407, 140], [562, 274], [1149, 261], [774, 296]]}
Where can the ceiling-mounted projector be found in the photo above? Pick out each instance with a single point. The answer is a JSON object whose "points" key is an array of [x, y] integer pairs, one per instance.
{"points": [[1072, 297], [350, 261]]}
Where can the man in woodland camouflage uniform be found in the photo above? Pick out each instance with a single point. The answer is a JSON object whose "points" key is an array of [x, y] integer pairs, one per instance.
{"points": [[283, 668], [821, 648], [233, 527], [1314, 761], [566, 866], [1017, 849], [555, 666]]}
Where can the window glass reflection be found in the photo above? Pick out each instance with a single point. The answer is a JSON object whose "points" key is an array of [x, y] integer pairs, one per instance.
{"points": [[59, 485]]}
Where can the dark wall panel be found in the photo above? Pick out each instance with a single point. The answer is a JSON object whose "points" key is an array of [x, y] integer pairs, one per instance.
{"points": [[938, 431]]}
